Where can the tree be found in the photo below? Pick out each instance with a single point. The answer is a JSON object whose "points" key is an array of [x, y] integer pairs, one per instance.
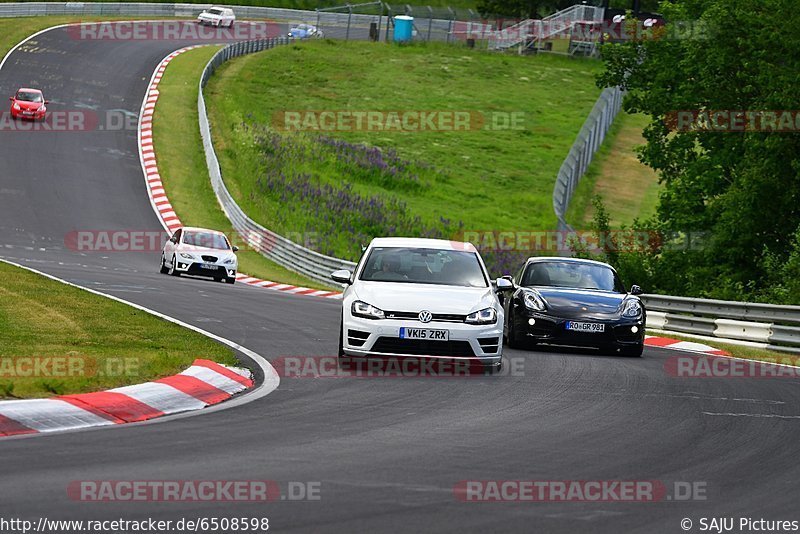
{"points": [[740, 188]]}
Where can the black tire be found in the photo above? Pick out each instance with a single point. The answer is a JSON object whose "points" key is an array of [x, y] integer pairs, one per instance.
{"points": [[172, 270], [493, 369], [632, 352], [512, 339], [230, 280], [163, 269]]}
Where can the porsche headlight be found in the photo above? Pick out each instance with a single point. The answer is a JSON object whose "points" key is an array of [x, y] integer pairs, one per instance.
{"points": [[367, 311], [631, 308], [485, 316], [533, 301]]}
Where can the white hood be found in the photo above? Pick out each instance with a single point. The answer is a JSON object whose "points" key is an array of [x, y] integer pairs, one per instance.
{"points": [[408, 297]]}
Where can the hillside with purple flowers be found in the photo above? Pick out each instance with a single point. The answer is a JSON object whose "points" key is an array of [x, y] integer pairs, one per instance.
{"points": [[339, 187]]}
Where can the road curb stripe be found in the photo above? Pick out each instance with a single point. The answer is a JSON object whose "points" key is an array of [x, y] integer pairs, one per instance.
{"points": [[155, 189], [686, 346], [203, 384]]}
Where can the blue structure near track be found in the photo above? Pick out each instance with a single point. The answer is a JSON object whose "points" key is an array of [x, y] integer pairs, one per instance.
{"points": [[403, 27]]}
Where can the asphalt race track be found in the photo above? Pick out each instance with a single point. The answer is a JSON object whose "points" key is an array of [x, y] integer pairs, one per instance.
{"points": [[386, 451]]}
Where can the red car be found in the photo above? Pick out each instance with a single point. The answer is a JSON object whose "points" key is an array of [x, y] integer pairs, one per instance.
{"points": [[28, 104]]}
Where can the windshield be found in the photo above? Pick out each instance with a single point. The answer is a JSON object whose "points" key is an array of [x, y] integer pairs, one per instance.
{"points": [[214, 12], [424, 266], [206, 240], [573, 275], [29, 96]]}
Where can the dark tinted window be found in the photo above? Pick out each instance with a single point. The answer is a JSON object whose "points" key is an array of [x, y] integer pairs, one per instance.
{"points": [[424, 266], [572, 275]]}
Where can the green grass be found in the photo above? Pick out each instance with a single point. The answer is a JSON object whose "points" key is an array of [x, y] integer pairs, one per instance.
{"points": [[182, 164], [487, 179], [112, 343], [629, 188]]}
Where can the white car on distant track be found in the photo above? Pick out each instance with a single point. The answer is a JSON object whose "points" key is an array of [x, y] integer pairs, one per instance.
{"points": [[430, 298], [217, 16], [305, 31], [200, 252]]}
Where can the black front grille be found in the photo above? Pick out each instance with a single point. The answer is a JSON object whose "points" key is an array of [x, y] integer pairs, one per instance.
{"points": [[210, 259], [419, 347], [489, 344], [437, 317], [356, 338]]}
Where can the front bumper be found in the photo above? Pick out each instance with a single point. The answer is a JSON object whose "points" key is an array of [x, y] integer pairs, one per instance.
{"points": [[548, 329], [367, 338], [196, 268], [29, 115]]}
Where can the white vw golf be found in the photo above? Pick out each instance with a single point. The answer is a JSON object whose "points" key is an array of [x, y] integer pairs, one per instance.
{"points": [[421, 297], [200, 252]]}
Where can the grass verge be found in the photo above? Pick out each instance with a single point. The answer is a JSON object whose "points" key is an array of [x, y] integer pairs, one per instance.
{"points": [[629, 188], [182, 163], [56, 339], [422, 182]]}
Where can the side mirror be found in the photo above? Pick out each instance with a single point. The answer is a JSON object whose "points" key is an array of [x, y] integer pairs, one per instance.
{"points": [[11, 98], [46, 101], [342, 276], [636, 290], [235, 248], [504, 284]]}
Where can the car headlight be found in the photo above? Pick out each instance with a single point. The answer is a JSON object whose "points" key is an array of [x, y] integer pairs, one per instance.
{"points": [[229, 261], [16, 106], [367, 311], [185, 256], [42, 109], [631, 308], [485, 316], [533, 301]]}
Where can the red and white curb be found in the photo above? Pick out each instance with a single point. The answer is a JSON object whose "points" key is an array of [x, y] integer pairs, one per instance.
{"points": [[203, 384], [677, 344], [155, 188]]}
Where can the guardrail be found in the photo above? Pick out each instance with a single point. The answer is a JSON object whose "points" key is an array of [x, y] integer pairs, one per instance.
{"points": [[271, 245], [772, 326], [580, 155]]}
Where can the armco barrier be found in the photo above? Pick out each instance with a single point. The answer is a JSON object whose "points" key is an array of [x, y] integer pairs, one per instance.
{"points": [[775, 327], [589, 139], [273, 246]]}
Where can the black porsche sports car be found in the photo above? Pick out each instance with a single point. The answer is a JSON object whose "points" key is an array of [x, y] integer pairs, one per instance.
{"points": [[574, 302]]}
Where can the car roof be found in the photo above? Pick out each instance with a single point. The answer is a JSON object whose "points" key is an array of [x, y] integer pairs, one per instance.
{"points": [[196, 229], [538, 259], [421, 242], [29, 90]]}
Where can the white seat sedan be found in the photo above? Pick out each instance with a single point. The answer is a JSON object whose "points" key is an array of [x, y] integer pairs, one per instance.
{"points": [[200, 252], [421, 297]]}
